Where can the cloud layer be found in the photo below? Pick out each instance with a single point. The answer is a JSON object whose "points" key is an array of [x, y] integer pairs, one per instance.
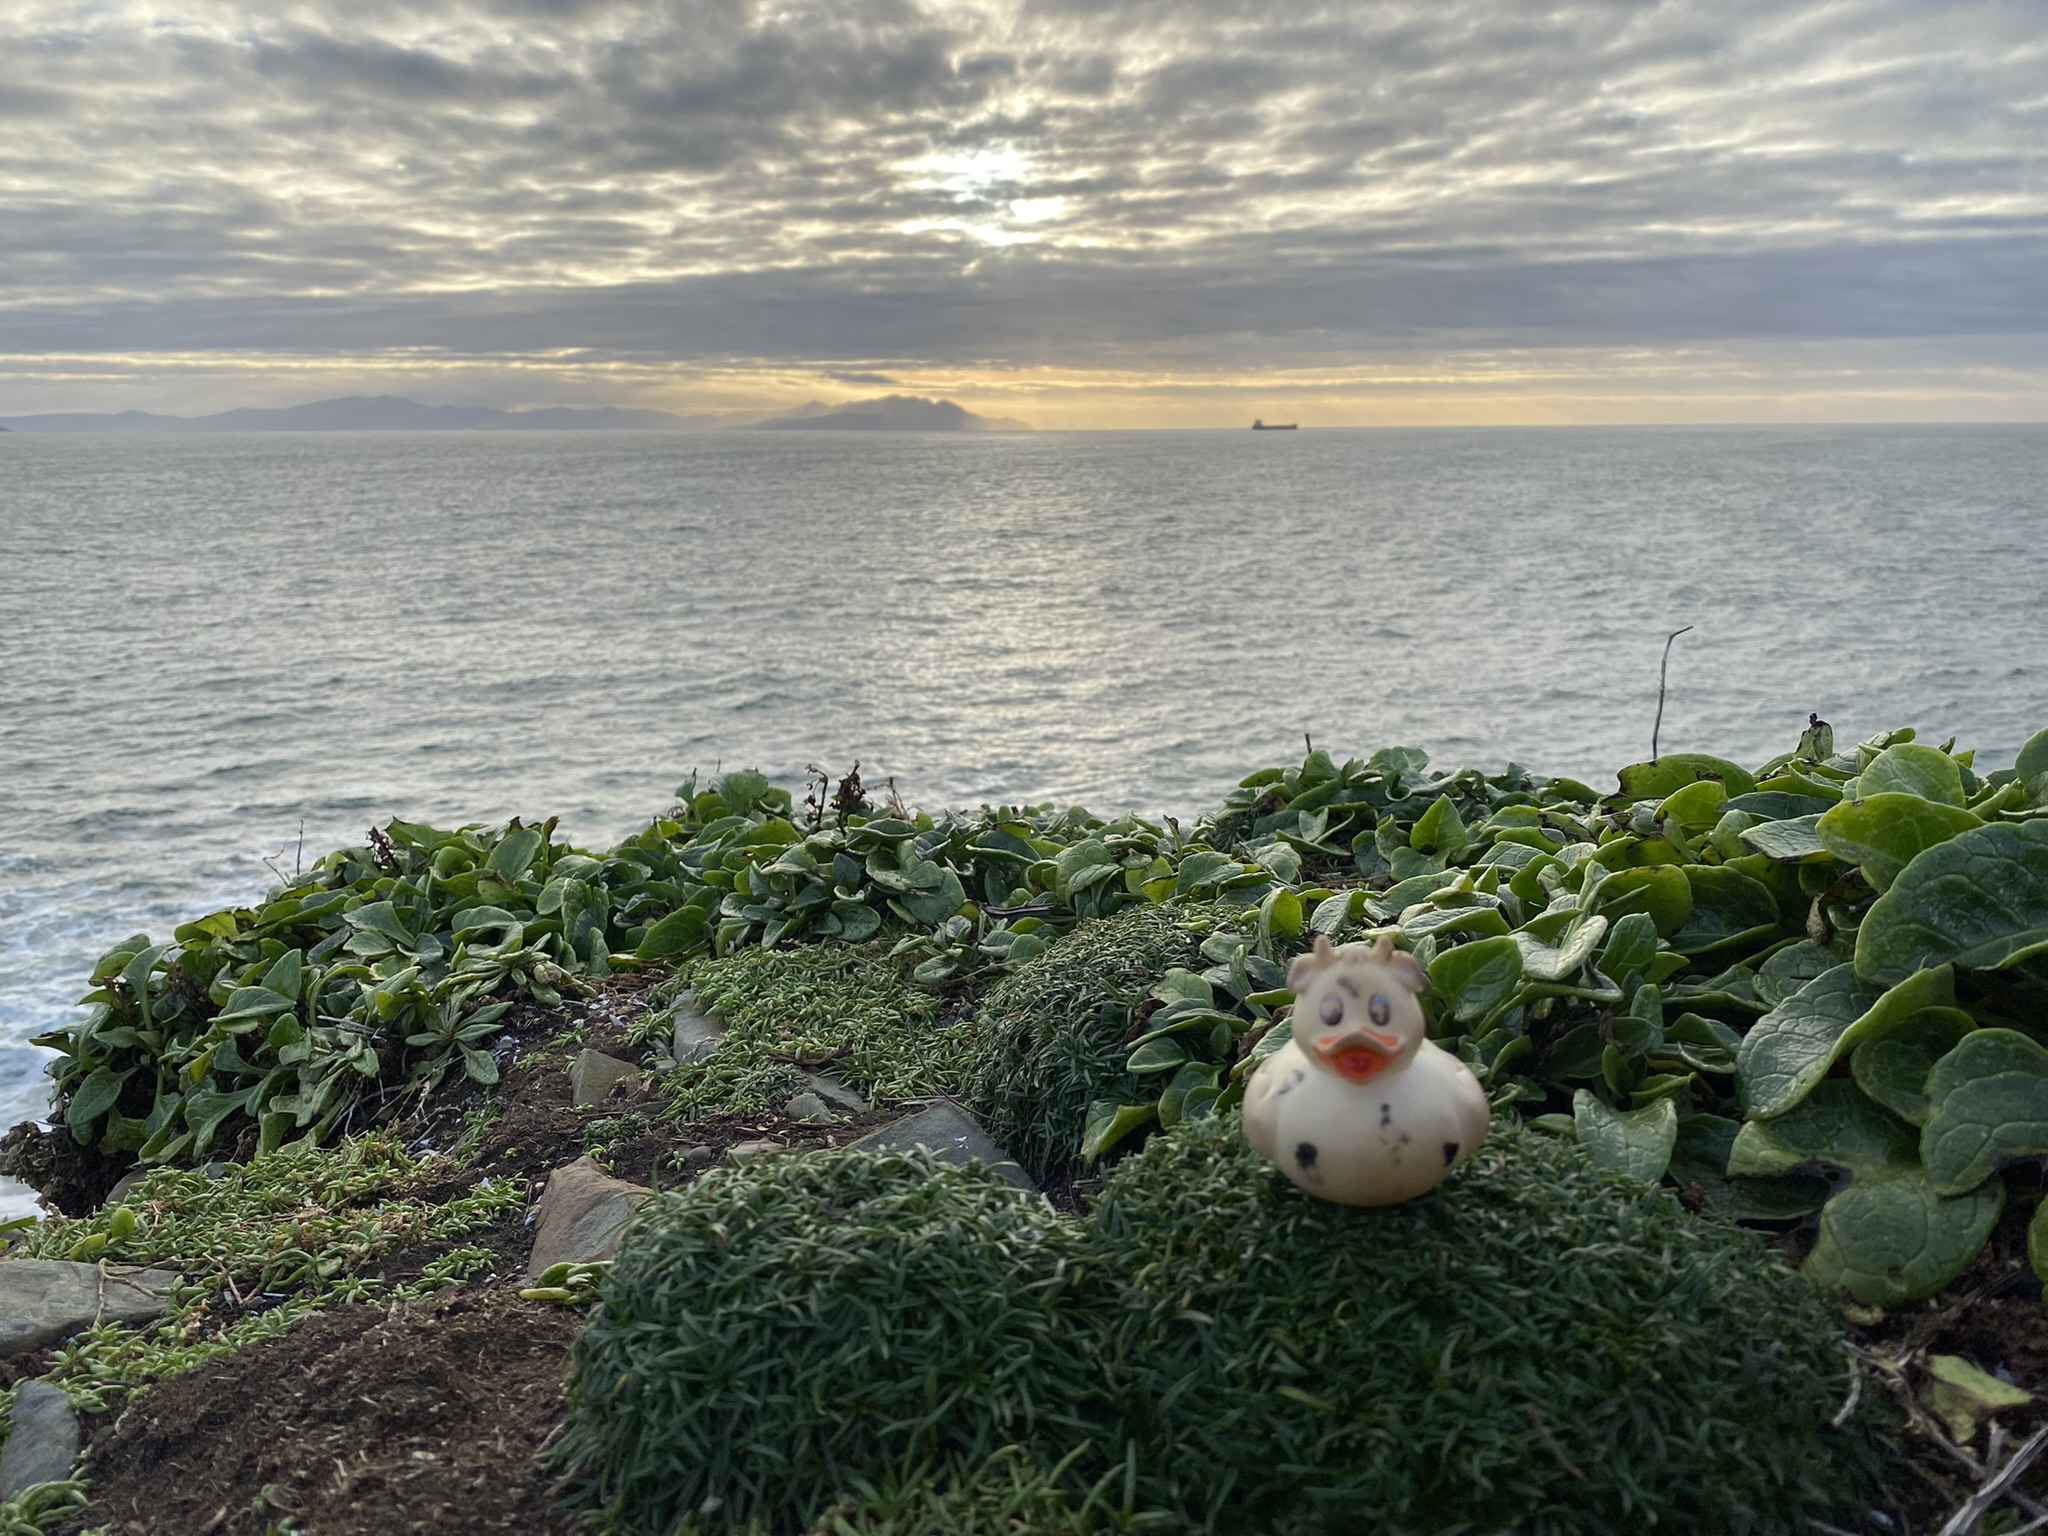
{"points": [[879, 186]]}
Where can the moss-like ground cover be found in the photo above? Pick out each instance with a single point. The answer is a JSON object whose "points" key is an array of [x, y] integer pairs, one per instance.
{"points": [[1540, 1347]]}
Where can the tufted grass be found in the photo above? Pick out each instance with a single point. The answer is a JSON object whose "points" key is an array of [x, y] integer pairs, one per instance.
{"points": [[1051, 1037], [878, 1344], [885, 1036]]}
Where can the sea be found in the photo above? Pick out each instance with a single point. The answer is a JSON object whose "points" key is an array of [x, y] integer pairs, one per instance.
{"points": [[222, 655]]}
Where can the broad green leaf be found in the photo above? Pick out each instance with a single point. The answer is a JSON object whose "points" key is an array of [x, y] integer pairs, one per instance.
{"points": [[512, 857], [253, 1003], [1201, 869], [1792, 1047], [1108, 1123], [1637, 1142], [1700, 1151], [1779, 804], [1674, 770], [1893, 1068], [859, 921], [1630, 947], [1191, 1079], [135, 976], [1439, 830], [1789, 842], [1334, 913], [1987, 1103], [1884, 833], [478, 1066], [1786, 970], [381, 917], [2033, 758], [1893, 1239], [1661, 890], [1471, 980], [1835, 1125], [1179, 985], [507, 929], [1280, 913], [91, 1099], [1911, 769], [1695, 807], [1484, 922], [1727, 908], [1158, 1055], [1980, 900], [206, 1109], [682, 930], [286, 975]]}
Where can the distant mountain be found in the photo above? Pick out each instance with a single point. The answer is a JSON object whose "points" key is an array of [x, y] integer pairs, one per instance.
{"points": [[378, 413], [889, 413]]}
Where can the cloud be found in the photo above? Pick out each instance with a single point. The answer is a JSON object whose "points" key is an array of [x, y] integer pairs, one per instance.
{"points": [[1012, 183]]}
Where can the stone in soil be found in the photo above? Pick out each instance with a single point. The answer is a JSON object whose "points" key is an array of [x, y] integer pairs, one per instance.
{"points": [[950, 1131], [581, 1215], [696, 1034], [44, 1301], [746, 1151], [361, 1421], [808, 1109], [593, 1075], [42, 1441], [836, 1093]]}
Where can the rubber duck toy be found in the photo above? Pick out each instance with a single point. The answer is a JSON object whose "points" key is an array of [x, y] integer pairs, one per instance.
{"points": [[1359, 1107]]}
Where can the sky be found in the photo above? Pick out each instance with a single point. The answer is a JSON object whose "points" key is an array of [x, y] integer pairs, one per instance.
{"points": [[1078, 212]]}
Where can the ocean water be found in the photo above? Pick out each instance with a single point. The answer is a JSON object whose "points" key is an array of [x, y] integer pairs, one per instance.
{"points": [[213, 645]]}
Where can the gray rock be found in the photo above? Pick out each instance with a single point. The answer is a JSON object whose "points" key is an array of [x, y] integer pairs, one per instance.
{"points": [[700, 1156], [696, 1033], [43, 1441], [808, 1109], [949, 1130], [746, 1151], [583, 1211], [125, 1185], [836, 1093], [44, 1301], [593, 1075]]}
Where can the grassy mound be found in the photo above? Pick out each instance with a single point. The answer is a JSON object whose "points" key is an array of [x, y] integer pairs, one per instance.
{"points": [[1051, 1037], [775, 1336], [822, 1002], [1539, 1347]]}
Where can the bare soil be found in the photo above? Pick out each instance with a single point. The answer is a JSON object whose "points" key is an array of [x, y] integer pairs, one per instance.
{"points": [[361, 1421]]}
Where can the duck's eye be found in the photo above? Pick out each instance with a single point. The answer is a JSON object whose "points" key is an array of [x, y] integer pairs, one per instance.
{"points": [[1332, 1010], [1380, 1009]]}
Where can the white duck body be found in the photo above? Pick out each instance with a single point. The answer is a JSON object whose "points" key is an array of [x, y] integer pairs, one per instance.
{"points": [[1358, 1107]]}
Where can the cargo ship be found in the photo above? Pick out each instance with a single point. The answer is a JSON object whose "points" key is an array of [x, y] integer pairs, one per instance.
{"points": [[1276, 426]]}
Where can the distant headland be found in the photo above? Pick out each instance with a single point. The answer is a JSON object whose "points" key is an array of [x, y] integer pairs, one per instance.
{"points": [[392, 413], [890, 413]]}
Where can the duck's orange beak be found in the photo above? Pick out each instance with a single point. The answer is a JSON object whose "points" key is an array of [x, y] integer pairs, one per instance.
{"points": [[1359, 1054]]}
